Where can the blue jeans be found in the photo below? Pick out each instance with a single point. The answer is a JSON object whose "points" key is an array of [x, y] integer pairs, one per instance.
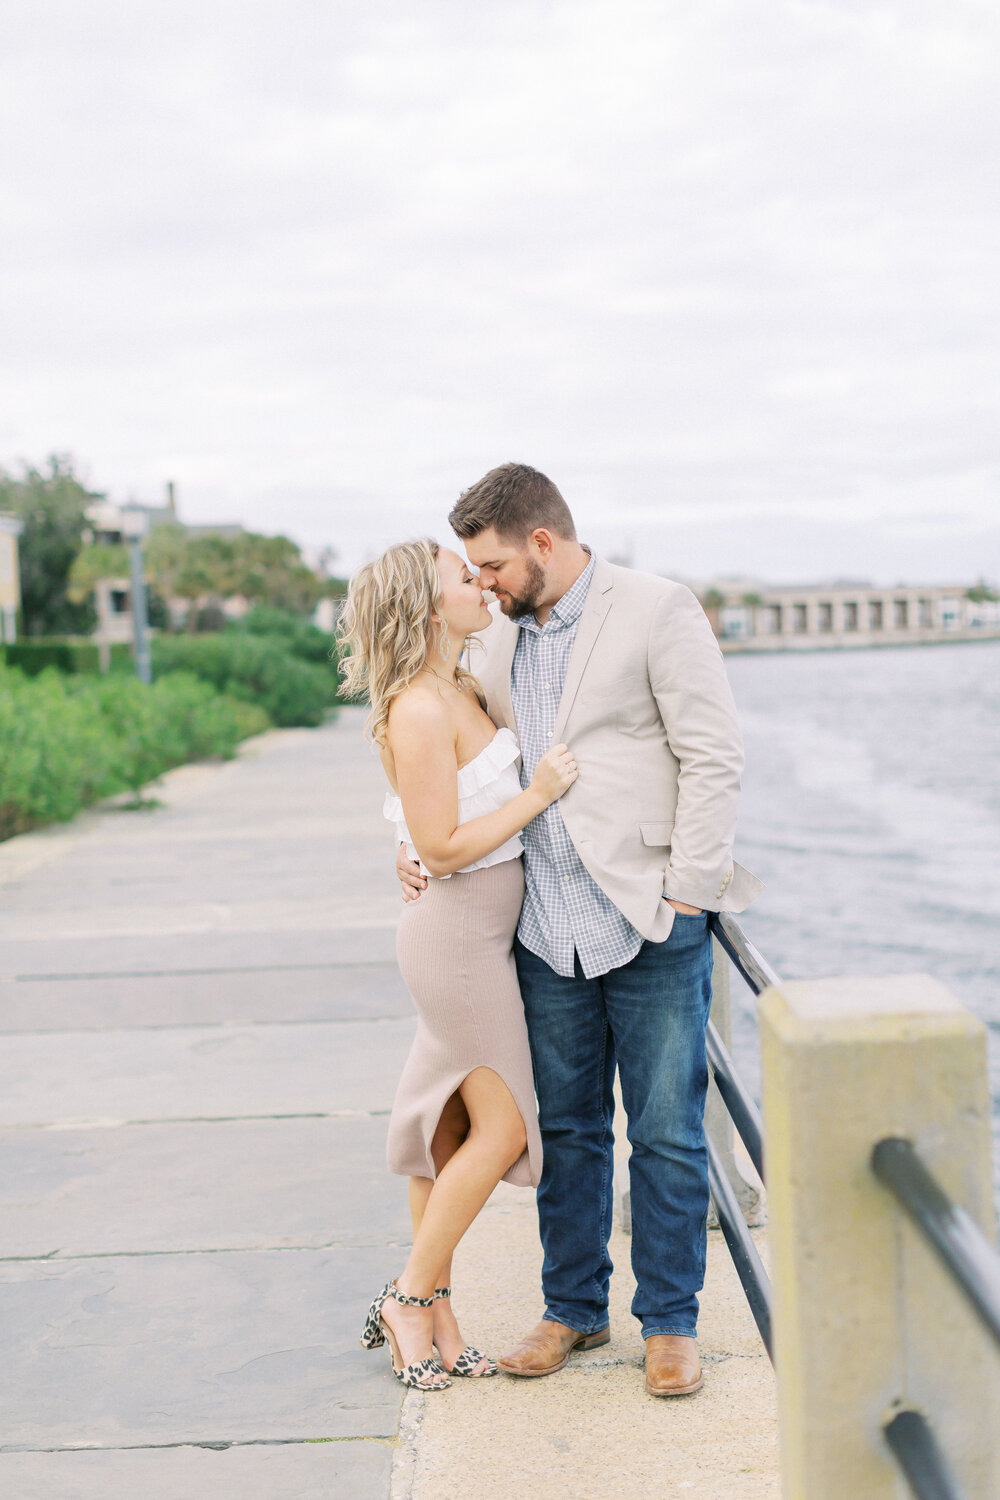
{"points": [[649, 1016]]}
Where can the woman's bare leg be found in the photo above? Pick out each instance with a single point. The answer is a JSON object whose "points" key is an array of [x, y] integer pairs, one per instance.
{"points": [[495, 1139], [452, 1130]]}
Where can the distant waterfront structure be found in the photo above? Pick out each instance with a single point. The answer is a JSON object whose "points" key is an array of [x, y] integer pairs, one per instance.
{"points": [[750, 616], [10, 578]]}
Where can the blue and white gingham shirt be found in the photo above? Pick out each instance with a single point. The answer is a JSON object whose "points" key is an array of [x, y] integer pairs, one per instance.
{"points": [[565, 913]]}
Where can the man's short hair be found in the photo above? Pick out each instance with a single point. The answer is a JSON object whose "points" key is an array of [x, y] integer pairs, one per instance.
{"points": [[514, 499]]}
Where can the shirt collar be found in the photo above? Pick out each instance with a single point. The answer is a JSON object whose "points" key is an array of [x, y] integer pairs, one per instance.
{"points": [[570, 607]]}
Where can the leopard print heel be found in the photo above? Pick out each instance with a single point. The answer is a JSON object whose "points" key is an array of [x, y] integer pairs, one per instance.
{"points": [[420, 1374], [372, 1336], [467, 1363]]}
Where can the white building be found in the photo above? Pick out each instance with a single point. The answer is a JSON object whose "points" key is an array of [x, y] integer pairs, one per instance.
{"points": [[750, 616], [10, 578]]}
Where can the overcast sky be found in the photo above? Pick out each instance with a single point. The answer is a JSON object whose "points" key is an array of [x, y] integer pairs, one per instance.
{"points": [[728, 272]]}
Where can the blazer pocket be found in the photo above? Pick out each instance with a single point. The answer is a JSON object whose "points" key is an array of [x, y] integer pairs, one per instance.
{"points": [[656, 835]]}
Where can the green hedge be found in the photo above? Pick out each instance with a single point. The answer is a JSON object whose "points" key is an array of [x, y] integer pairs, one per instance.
{"points": [[299, 637], [34, 654], [255, 668], [68, 741]]}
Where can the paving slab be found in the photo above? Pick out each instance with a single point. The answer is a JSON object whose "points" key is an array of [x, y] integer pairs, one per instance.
{"points": [[129, 1351], [201, 1279], [590, 1432], [222, 968], [291, 992], [229, 1185], [208, 948], [201, 1072], [344, 1470]]}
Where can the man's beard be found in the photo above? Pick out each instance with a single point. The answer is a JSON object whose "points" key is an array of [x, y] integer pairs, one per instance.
{"points": [[516, 606]]}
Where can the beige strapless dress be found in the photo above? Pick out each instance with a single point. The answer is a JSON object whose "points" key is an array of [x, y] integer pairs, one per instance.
{"points": [[455, 951]]}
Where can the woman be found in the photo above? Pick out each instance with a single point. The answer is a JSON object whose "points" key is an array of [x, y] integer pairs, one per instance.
{"points": [[464, 1115]]}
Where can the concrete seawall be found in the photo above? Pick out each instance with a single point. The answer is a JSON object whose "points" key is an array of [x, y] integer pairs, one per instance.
{"points": [[883, 641]]}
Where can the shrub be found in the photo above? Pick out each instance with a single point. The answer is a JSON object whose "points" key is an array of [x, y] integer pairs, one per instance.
{"points": [[254, 668], [34, 654], [298, 636], [56, 754], [250, 718], [176, 720], [67, 741]]}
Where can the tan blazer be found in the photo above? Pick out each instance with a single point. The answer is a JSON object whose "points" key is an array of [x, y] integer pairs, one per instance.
{"points": [[649, 716]]}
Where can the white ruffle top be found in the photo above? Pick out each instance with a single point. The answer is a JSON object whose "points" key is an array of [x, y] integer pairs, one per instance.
{"points": [[486, 783]]}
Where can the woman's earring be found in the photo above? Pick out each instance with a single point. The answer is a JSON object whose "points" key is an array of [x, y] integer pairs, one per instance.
{"points": [[444, 644]]}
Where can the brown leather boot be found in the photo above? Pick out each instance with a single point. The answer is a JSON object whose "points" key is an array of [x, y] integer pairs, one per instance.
{"points": [[672, 1365], [547, 1348]]}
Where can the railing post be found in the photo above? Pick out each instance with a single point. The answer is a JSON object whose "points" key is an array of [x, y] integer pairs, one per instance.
{"points": [[866, 1321], [718, 1122]]}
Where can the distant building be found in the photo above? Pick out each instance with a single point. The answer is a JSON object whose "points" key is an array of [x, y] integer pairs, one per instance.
{"points": [[113, 596], [10, 578], [747, 616]]}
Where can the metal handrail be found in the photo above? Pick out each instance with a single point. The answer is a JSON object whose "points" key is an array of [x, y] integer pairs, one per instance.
{"points": [[746, 1258], [740, 1104], [915, 1449], [746, 1117], [953, 1234], [753, 966]]}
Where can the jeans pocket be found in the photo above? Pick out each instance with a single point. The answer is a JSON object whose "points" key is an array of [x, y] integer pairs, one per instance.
{"points": [[688, 927]]}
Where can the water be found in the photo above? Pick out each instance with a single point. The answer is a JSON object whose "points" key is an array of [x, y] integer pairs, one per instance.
{"points": [[871, 809]]}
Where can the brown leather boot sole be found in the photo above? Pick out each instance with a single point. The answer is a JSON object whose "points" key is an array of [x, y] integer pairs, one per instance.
{"points": [[677, 1390], [586, 1341]]}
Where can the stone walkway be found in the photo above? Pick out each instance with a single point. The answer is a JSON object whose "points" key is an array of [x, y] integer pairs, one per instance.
{"points": [[203, 1026]]}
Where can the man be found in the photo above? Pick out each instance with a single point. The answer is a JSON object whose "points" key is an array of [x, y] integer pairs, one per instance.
{"points": [[613, 951]]}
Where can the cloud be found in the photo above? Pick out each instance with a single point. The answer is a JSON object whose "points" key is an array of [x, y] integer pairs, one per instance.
{"points": [[691, 260]]}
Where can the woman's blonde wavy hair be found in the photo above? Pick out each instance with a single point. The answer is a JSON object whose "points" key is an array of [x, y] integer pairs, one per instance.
{"points": [[385, 630]]}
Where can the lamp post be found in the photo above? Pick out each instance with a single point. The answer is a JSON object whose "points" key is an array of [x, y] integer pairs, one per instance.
{"points": [[134, 526]]}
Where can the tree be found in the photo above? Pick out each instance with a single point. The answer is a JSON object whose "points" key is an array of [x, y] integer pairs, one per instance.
{"points": [[272, 572], [711, 602], [204, 568], [207, 567], [52, 507], [90, 565]]}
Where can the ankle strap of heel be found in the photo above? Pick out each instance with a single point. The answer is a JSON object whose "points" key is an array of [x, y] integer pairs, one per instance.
{"points": [[441, 1291], [406, 1301]]}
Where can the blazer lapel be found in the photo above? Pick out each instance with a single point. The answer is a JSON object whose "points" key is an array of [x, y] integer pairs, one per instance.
{"points": [[499, 643], [595, 612]]}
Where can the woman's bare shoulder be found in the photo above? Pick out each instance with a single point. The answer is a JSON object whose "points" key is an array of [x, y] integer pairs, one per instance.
{"points": [[419, 711]]}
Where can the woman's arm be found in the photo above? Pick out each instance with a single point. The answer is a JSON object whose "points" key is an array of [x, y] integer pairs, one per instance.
{"points": [[422, 740]]}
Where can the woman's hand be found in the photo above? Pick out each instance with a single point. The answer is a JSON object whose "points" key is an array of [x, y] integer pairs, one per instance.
{"points": [[410, 878], [554, 774]]}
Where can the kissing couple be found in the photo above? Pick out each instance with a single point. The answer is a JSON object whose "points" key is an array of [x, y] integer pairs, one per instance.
{"points": [[566, 820]]}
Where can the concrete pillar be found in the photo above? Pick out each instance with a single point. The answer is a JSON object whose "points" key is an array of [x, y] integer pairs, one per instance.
{"points": [[718, 1123], [865, 1317]]}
